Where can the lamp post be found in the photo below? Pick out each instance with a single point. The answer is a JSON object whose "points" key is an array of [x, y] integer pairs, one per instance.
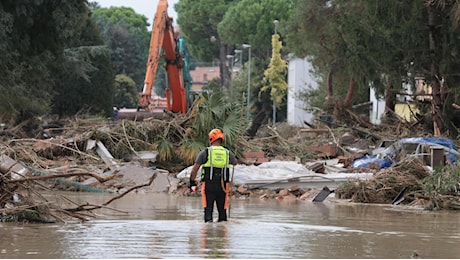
{"points": [[247, 46], [274, 105]]}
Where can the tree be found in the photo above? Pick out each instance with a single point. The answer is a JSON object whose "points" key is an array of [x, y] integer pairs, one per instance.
{"points": [[383, 46], [252, 22], [126, 35], [85, 75], [126, 94], [275, 76], [85, 82], [34, 40], [438, 14], [198, 21], [332, 36]]}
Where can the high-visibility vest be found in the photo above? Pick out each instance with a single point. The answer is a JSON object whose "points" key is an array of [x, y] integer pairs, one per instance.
{"points": [[216, 165]]}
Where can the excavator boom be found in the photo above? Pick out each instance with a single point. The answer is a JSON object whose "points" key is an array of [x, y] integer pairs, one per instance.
{"points": [[163, 43]]}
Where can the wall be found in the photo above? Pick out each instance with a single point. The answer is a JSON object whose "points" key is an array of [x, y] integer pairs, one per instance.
{"points": [[403, 108], [378, 107], [300, 79]]}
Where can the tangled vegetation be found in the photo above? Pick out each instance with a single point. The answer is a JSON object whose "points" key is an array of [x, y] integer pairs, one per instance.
{"points": [[410, 179]]}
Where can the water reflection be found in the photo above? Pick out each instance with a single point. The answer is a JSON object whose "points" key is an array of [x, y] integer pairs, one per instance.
{"points": [[161, 226], [214, 240]]}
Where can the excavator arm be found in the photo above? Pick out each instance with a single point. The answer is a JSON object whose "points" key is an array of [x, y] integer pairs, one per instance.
{"points": [[164, 43]]}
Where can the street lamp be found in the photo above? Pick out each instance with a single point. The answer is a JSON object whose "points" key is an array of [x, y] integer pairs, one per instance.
{"points": [[276, 22], [247, 46]]}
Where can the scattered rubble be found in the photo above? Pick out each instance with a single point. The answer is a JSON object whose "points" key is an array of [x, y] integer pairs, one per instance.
{"points": [[295, 164]]}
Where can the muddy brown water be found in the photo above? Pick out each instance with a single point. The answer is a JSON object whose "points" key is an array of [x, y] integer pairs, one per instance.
{"points": [[162, 226]]}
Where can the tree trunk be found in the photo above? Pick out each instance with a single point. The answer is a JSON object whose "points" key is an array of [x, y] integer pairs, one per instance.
{"points": [[350, 93], [264, 106], [436, 102], [257, 122], [329, 85], [329, 104], [390, 98], [224, 69]]}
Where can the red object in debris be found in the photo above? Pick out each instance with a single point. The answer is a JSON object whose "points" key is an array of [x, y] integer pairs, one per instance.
{"points": [[345, 160], [325, 150], [255, 157]]}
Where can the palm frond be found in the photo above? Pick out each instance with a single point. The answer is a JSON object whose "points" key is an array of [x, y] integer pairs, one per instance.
{"points": [[190, 148], [165, 149], [212, 111]]}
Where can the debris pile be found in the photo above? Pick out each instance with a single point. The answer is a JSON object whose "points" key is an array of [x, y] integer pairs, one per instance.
{"points": [[125, 156], [385, 185], [25, 199]]}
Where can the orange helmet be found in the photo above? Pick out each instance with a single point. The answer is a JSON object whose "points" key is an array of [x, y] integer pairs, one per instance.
{"points": [[215, 134]]}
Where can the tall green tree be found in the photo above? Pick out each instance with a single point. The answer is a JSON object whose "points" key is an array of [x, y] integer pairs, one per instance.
{"points": [[198, 20], [275, 76], [85, 75], [331, 35], [252, 22], [442, 20], [85, 82], [382, 45], [35, 37], [126, 94], [127, 37]]}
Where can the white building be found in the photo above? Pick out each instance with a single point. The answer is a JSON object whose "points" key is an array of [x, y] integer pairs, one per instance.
{"points": [[300, 80], [404, 105], [378, 107]]}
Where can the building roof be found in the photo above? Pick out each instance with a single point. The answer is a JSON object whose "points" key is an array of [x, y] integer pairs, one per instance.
{"points": [[202, 75]]}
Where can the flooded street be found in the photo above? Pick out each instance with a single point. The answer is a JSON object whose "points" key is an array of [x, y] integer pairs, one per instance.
{"points": [[162, 226]]}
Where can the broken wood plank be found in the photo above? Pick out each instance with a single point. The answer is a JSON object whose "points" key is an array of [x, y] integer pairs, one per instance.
{"points": [[65, 175], [314, 130]]}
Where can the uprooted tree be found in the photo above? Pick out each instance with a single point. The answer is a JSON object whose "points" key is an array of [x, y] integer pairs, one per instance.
{"points": [[359, 40]]}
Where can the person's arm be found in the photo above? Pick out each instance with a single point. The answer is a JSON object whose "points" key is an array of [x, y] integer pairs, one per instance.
{"points": [[233, 159], [200, 159], [194, 171]]}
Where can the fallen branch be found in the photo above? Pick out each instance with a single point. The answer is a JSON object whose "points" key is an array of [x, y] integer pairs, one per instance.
{"points": [[336, 142], [73, 214], [131, 189], [65, 175], [22, 208], [55, 144], [280, 139], [89, 207], [82, 207]]}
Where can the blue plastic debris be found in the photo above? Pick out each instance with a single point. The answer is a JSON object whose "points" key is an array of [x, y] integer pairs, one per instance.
{"points": [[405, 147]]}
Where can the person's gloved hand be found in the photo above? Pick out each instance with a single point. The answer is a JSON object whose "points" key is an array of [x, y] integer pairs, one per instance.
{"points": [[192, 185]]}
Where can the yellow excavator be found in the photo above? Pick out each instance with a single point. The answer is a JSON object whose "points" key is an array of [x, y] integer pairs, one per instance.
{"points": [[166, 43]]}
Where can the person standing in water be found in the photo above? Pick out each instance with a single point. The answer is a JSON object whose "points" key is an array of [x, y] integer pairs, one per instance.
{"points": [[215, 162]]}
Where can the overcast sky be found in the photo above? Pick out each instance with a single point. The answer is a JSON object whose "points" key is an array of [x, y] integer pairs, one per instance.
{"points": [[145, 7]]}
